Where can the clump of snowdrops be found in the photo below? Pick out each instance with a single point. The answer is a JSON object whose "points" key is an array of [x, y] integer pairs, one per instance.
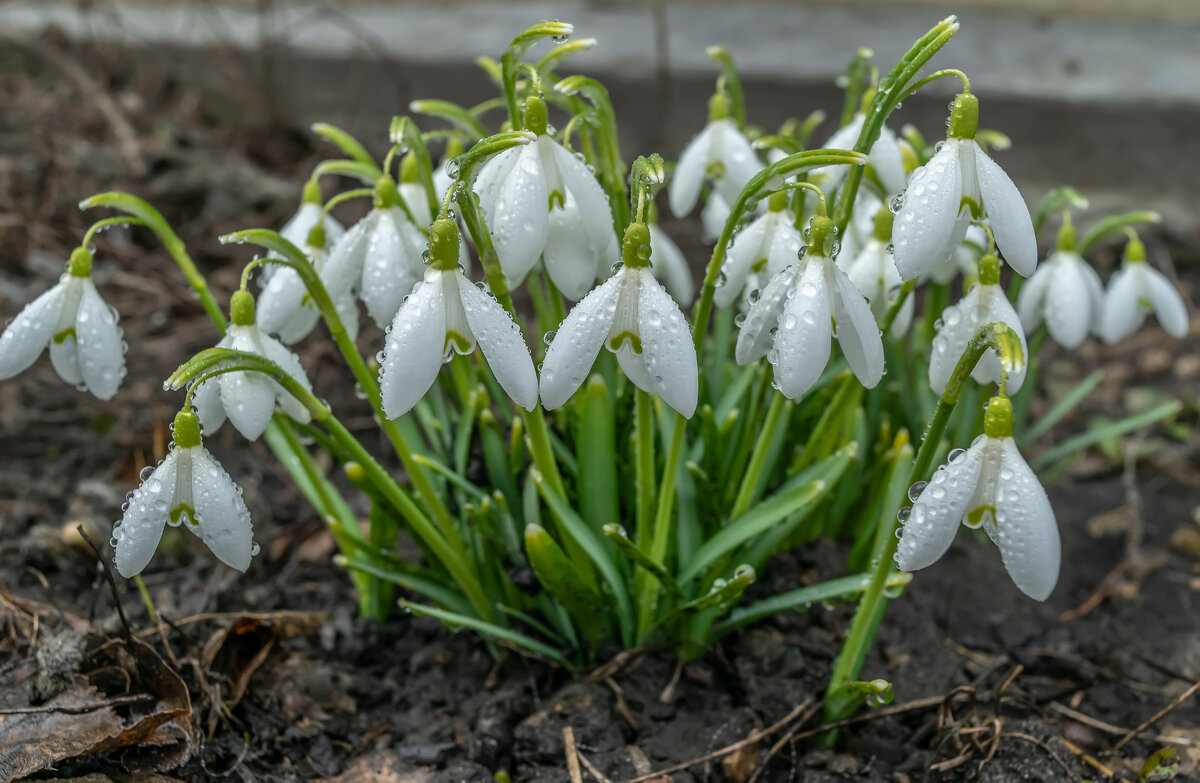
{"points": [[629, 478]]}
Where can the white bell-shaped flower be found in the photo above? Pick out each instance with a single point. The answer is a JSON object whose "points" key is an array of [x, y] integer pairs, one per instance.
{"points": [[1137, 289], [873, 272], [248, 399], [86, 344], [299, 225], [884, 157], [191, 488], [1066, 292], [792, 321], [988, 485], [634, 317], [444, 314], [958, 184], [286, 308], [759, 251], [671, 266], [719, 154], [541, 201], [984, 303]]}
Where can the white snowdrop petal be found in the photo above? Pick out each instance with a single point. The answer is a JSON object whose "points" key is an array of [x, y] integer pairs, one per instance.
{"points": [[844, 138], [804, 341], [667, 347], [414, 197], [392, 265], [713, 217], [101, 344], [634, 367], [1007, 214], [743, 253], [140, 528], [1068, 307], [887, 161], [207, 402], [904, 318], [739, 159], [570, 257], [415, 347], [754, 335], [1031, 301], [670, 265], [289, 363], [927, 219], [248, 400], [1167, 302], [491, 177], [280, 305], [64, 357], [28, 334], [935, 516], [786, 242], [1122, 312], [959, 324], [521, 217], [222, 519], [594, 208], [502, 344], [343, 265], [996, 308], [684, 189], [1025, 529], [857, 332], [577, 341], [1095, 289]]}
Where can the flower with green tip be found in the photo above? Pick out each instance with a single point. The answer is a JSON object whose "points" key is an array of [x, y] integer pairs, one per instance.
{"points": [[248, 399], [991, 486], [190, 488], [721, 155], [1136, 290], [86, 343], [759, 251]]}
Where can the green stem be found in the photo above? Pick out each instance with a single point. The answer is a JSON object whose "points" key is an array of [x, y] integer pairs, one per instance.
{"points": [[870, 608], [648, 600], [733, 84], [758, 458]]}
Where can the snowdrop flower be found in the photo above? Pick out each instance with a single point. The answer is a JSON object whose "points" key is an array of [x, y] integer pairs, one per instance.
{"points": [[760, 250], [983, 304], [873, 272], [958, 184], [991, 486], [191, 488], [721, 155], [447, 313], [792, 321], [542, 201], [634, 317], [1136, 289], [248, 399], [885, 156], [670, 265], [285, 306], [86, 345], [298, 226], [1066, 292]]}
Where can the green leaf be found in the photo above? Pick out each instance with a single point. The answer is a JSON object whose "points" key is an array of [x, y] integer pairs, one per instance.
{"points": [[593, 546], [347, 144], [452, 113], [798, 494], [413, 580], [1115, 224], [490, 630], [1057, 200], [595, 449], [619, 536], [843, 588], [1061, 408], [1105, 432], [558, 576]]}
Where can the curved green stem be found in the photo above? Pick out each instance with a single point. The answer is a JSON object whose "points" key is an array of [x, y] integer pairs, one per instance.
{"points": [[404, 131], [451, 112], [966, 83], [347, 144], [511, 59], [733, 83], [611, 164], [1115, 224], [102, 225]]}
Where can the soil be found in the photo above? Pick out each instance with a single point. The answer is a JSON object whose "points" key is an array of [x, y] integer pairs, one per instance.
{"points": [[271, 675]]}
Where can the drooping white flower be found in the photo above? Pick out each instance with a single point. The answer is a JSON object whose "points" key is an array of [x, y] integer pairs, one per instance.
{"points": [[958, 184], [1137, 289], [447, 313], [719, 154], [633, 316], [759, 251], [873, 272], [248, 399], [792, 321], [86, 344], [884, 156], [984, 303], [191, 488], [286, 308], [1067, 293], [991, 486], [542, 201], [670, 265]]}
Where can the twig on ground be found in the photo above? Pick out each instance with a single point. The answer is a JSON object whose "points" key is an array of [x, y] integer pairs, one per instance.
{"points": [[112, 584], [78, 709], [1156, 717], [591, 769], [1087, 758], [572, 755]]}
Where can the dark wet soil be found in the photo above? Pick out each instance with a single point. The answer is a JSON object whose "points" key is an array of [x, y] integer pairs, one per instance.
{"points": [[285, 683]]}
